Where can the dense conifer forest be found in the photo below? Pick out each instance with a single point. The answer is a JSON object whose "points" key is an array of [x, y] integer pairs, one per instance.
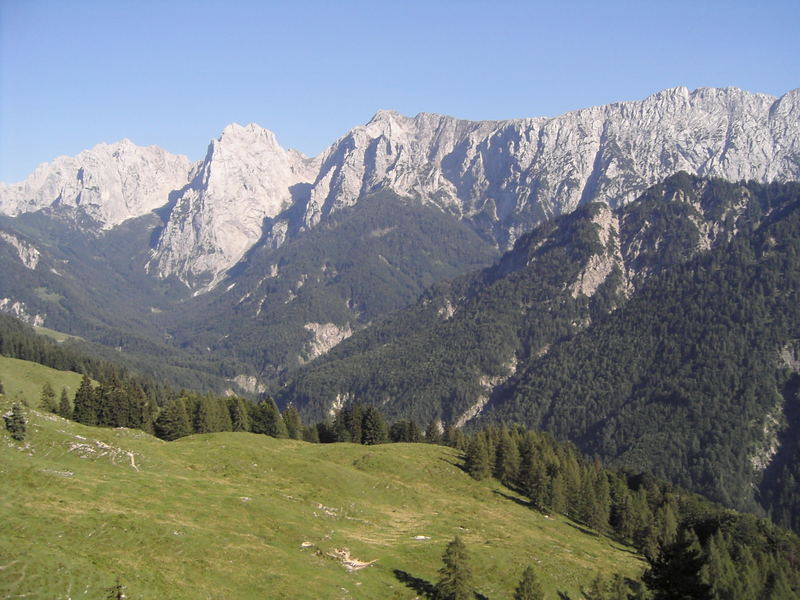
{"points": [[682, 362]]}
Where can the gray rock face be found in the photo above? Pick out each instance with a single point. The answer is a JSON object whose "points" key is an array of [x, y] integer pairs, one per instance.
{"points": [[505, 176], [109, 183], [245, 178], [501, 176]]}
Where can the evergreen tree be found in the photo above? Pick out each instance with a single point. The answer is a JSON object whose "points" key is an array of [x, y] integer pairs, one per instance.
{"points": [[240, 416], [85, 405], [455, 576], [597, 589], [311, 434], [112, 403], [294, 426], [476, 461], [173, 422], [373, 426], [16, 423], [529, 587], [64, 409], [266, 418], [675, 574], [618, 588], [433, 433], [47, 400], [506, 466]]}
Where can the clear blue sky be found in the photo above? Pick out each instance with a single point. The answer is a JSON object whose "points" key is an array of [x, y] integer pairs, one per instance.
{"points": [[74, 73]]}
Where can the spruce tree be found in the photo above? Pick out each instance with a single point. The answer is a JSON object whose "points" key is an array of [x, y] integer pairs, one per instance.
{"points": [[529, 587], [16, 423], [266, 418], [455, 577], [675, 574], [433, 434], [506, 467], [597, 590], [294, 426], [64, 409], [311, 434], [476, 461], [85, 403], [47, 400], [373, 426], [240, 417], [173, 421]]}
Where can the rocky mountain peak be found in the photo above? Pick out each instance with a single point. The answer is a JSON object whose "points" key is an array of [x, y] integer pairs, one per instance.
{"points": [[109, 183], [246, 178], [501, 177]]}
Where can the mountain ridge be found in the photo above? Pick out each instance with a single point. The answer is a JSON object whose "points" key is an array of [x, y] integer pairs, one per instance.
{"points": [[502, 177]]}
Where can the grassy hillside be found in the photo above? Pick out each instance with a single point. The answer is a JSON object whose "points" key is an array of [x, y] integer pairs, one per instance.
{"points": [[23, 380], [246, 516]]}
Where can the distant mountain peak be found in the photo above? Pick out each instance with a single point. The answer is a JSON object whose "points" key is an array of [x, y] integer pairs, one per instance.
{"points": [[502, 177]]}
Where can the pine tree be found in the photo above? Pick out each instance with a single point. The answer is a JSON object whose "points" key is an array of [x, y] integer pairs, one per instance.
{"points": [[433, 433], [529, 587], [16, 423], [266, 418], [47, 400], [294, 426], [311, 434], [506, 466], [476, 461], [719, 570], [64, 409], [173, 422], [676, 573], [85, 403], [373, 427], [240, 417], [455, 576], [597, 590]]}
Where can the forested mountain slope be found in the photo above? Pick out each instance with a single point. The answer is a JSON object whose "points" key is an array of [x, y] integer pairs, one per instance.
{"points": [[685, 378]]}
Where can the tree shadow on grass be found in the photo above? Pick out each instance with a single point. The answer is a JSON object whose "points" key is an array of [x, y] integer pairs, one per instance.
{"points": [[583, 529], [519, 501], [424, 588]]}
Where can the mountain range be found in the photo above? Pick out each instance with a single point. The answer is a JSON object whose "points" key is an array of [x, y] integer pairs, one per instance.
{"points": [[551, 271], [304, 251]]}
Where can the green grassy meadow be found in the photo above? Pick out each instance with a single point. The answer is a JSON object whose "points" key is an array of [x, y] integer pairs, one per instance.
{"points": [[23, 380], [238, 515]]}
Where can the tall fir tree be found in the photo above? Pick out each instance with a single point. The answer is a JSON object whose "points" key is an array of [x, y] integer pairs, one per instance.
{"points": [[266, 418], [16, 424], [476, 461], [240, 416], [675, 574], [64, 408], [373, 426], [529, 587], [173, 421], [433, 433], [294, 426], [47, 399], [455, 576], [86, 409]]}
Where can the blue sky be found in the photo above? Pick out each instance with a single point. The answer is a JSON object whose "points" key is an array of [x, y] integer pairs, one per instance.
{"points": [[74, 73]]}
